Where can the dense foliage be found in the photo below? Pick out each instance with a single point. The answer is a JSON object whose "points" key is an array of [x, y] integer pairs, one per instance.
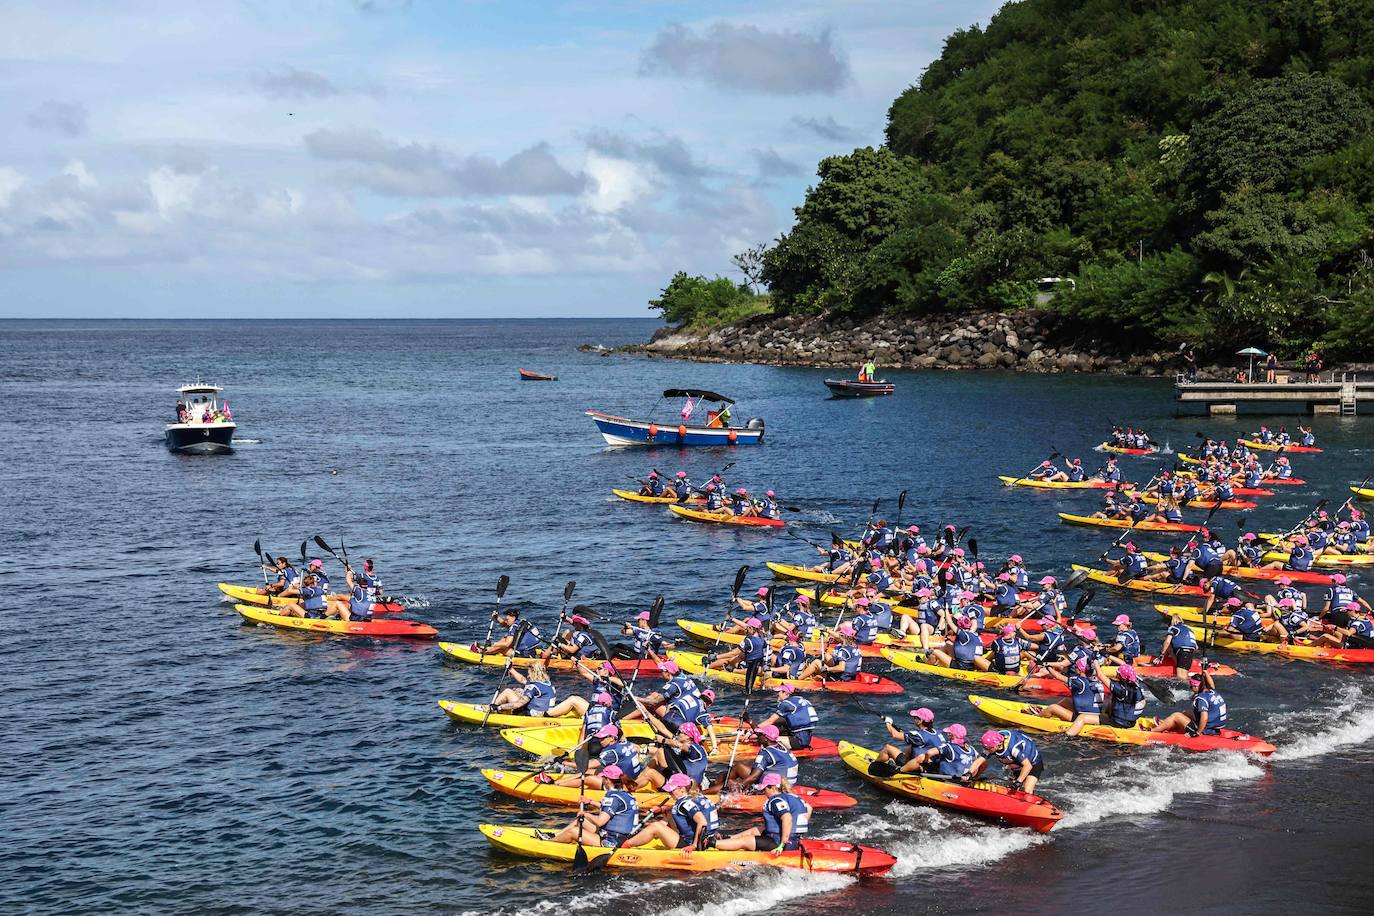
{"points": [[1204, 169], [699, 302]]}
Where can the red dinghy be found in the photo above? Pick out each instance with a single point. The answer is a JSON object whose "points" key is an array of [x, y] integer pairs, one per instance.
{"points": [[528, 376]]}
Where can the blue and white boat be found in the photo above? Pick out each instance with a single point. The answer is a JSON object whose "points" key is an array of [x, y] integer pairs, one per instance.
{"points": [[622, 431]]}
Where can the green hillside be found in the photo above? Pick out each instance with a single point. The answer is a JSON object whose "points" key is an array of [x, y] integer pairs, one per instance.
{"points": [[1203, 170]]}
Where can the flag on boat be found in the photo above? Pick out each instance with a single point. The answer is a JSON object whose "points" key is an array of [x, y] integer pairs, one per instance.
{"points": [[688, 406]]}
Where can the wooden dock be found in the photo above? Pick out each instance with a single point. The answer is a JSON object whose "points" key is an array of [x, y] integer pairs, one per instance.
{"points": [[1338, 396]]}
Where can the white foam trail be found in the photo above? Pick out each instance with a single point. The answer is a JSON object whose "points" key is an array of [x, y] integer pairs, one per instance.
{"points": [[248, 442], [759, 890], [1158, 779], [1351, 722]]}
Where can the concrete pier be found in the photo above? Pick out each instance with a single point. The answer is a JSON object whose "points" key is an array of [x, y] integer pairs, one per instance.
{"points": [[1340, 397]]}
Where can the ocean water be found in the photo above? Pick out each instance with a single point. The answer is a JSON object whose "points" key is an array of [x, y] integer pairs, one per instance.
{"points": [[163, 757]]}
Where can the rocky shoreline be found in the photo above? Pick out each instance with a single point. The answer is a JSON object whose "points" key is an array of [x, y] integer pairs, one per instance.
{"points": [[1030, 340]]}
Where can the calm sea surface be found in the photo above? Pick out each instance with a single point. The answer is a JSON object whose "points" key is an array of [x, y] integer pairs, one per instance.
{"points": [[162, 757]]}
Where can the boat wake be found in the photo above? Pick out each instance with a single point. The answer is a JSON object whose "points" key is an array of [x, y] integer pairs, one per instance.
{"points": [[1351, 721]]}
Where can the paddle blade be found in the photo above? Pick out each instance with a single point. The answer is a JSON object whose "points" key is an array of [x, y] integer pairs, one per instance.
{"points": [[257, 548], [739, 580], [303, 546], [901, 501], [568, 589], [595, 864], [582, 758], [1078, 578], [323, 546], [655, 611], [601, 643], [973, 547], [1083, 601], [1161, 693], [586, 611], [580, 859], [502, 584]]}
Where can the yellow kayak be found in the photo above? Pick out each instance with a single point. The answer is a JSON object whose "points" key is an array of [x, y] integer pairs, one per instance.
{"points": [[709, 633], [1139, 585], [474, 714], [1303, 650], [522, 784], [1363, 492], [636, 497], [1058, 484], [801, 573], [1337, 559], [725, 518], [378, 626], [692, 663]]}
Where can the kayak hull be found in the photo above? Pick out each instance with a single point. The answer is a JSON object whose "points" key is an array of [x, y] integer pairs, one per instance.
{"points": [[389, 627], [1118, 450], [849, 388], [707, 632], [476, 714], [865, 682], [1090, 522], [1256, 573], [1057, 484], [563, 737], [475, 657], [528, 376], [636, 497], [1363, 492], [1023, 715], [1275, 447], [814, 856], [725, 518], [1305, 651], [522, 784], [980, 799], [911, 661], [622, 432], [243, 594], [1328, 560], [1140, 585]]}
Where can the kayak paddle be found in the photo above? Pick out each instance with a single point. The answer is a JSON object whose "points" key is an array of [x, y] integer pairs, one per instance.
{"points": [[501, 585], [1053, 455]]}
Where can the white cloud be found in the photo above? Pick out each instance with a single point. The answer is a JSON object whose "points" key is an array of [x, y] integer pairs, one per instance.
{"points": [[77, 169], [172, 191], [10, 181], [617, 182]]}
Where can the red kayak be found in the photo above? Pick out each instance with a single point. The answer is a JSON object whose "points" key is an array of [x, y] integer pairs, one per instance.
{"points": [[528, 376], [1291, 481], [1251, 491]]}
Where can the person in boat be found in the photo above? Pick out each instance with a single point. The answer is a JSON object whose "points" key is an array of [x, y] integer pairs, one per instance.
{"points": [[1016, 568], [675, 685], [1110, 472], [912, 754], [287, 577], [1084, 704], [741, 505], [1298, 623], [528, 637], [597, 711], [1049, 473], [1126, 646], [618, 754], [682, 752], [692, 822], [768, 506], [1356, 631], [1247, 624], [611, 821], [682, 487], [648, 643], [931, 619], [579, 643], [785, 821], [1282, 470], [1004, 653], [772, 758], [1180, 646], [1286, 590], [953, 758], [843, 663], [714, 502], [1247, 553], [535, 695], [1343, 540], [1338, 598], [868, 372], [1206, 714], [749, 655], [1300, 555], [652, 485], [797, 615], [795, 719], [314, 599], [357, 604], [1218, 590], [1123, 696], [316, 568], [718, 419], [1015, 751], [1132, 564], [964, 646], [1306, 438], [1049, 604]]}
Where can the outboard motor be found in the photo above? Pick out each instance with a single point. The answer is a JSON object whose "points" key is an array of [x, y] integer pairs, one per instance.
{"points": [[755, 423]]}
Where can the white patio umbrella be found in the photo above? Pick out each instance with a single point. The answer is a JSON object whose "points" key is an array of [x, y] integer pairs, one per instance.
{"points": [[1251, 352]]}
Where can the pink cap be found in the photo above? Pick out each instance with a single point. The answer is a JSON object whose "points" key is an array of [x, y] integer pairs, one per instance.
{"points": [[1233, 602], [669, 667], [1004, 577], [1047, 464], [956, 731], [923, 593], [1352, 605], [1127, 672], [1338, 578], [862, 602], [642, 615], [1121, 621], [992, 740], [964, 620], [763, 591], [922, 551], [958, 551], [607, 731], [846, 629], [913, 529], [771, 779], [653, 475], [709, 694], [608, 667], [1130, 545], [1080, 665], [1284, 580], [785, 688], [612, 772], [793, 635], [677, 781], [753, 623], [1048, 580], [603, 698], [1008, 629], [767, 731], [1300, 539], [1287, 602], [681, 473], [317, 564], [1087, 633], [1248, 536], [967, 596], [741, 492], [770, 494], [578, 620], [1015, 558], [923, 714], [690, 730]]}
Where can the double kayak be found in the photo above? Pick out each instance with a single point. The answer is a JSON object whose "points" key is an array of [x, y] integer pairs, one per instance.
{"points": [[863, 682], [1121, 450], [243, 594], [387, 627], [1363, 492], [725, 518], [1140, 585], [709, 632], [980, 799], [476, 714], [1327, 559], [1152, 500], [636, 497], [1058, 484], [1255, 572], [554, 663], [522, 784], [1275, 447], [802, 573], [1127, 523], [1145, 666], [1204, 627], [813, 856], [1026, 716], [563, 738]]}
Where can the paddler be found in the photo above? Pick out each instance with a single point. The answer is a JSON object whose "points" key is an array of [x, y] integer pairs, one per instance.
{"points": [[533, 697], [843, 663], [682, 487], [692, 821], [767, 507], [1338, 598], [652, 486], [1218, 589], [597, 712], [1356, 633], [953, 758], [1004, 653], [509, 618], [714, 503], [1130, 565], [1246, 623], [789, 658], [615, 815], [964, 646], [579, 642], [1016, 568], [1125, 698], [313, 603], [740, 503], [286, 578], [684, 752], [785, 821], [1180, 645], [912, 755], [1084, 705], [795, 719], [1111, 472], [750, 654], [1206, 714], [357, 604], [1016, 752], [618, 754], [1286, 589], [772, 758], [1126, 646], [648, 643]]}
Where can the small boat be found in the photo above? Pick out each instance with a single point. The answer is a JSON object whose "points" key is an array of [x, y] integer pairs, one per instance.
{"points": [[473, 656], [622, 431], [1363, 492], [980, 799], [203, 427], [564, 738], [848, 388], [1091, 522], [726, 518], [1120, 450], [1275, 447], [528, 376], [376, 627], [243, 594], [1037, 484], [1140, 585], [813, 856], [864, 682], [637, 497], [521, 784], [1258, 573]]}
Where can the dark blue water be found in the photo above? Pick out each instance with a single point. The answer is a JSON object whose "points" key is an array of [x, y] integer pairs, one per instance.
{"points": [[164, 758]]}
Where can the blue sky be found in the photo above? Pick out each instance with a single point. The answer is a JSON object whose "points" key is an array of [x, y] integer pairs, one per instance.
{"points": [[384, 158]]}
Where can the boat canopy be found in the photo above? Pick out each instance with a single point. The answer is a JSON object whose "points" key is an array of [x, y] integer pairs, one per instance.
{"points": [[697, 393], [199, 388]]}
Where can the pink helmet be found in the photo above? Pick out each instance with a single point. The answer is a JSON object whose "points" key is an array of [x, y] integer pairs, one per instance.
{"points": [[753, 623], [923, 593], [846, 629], [653, 475], [690, 730], [603, 699], [993, 740], [862, 602], [771, 779], [1008, 629], [1048, 580], [670, 667], [1015, 558], [578, 620], [1338, 578], [708, 695], [1233, 601], [642, 615], [677, 781], [957, 732], [1047, 464], [964, 621], [923, 714], [1087, 633], [913, 529], [958, 551], [785, 689], [1080, 665], [763, 591], [741, 492], [1284, 580], [1300, 539], [607, 731], [770, 494], [967, 595], [767, 732], [1126, 672], [793, 635], [1352, 605], [612, 772], [681, 474], [1004, 577], [1121, 621]]}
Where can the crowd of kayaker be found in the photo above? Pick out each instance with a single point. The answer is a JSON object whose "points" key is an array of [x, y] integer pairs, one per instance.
{"points": [[714, 496]]}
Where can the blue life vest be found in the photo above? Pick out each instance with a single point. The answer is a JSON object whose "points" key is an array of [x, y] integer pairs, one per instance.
{"points": [[360, 603], [790, 657], [622, 754], [799, 714], [1215, 706], [1130, 643], [1181, 637], [753, 648], [920, 739], [685, 811], [1084, 690], [1006, 652], [596, 718], [1338, 596], [956, 759], [865, 629], [694, 762], [528, 642], [1299, 559], [966, 645], [312, 598], [779, 805], [1019, 749], [541, 694], [1005, 595], [624, 812], [850, 658], [1134, 564], [1128, 703], [774, 759], [683, 709], [881, 612], [680, 685]]}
